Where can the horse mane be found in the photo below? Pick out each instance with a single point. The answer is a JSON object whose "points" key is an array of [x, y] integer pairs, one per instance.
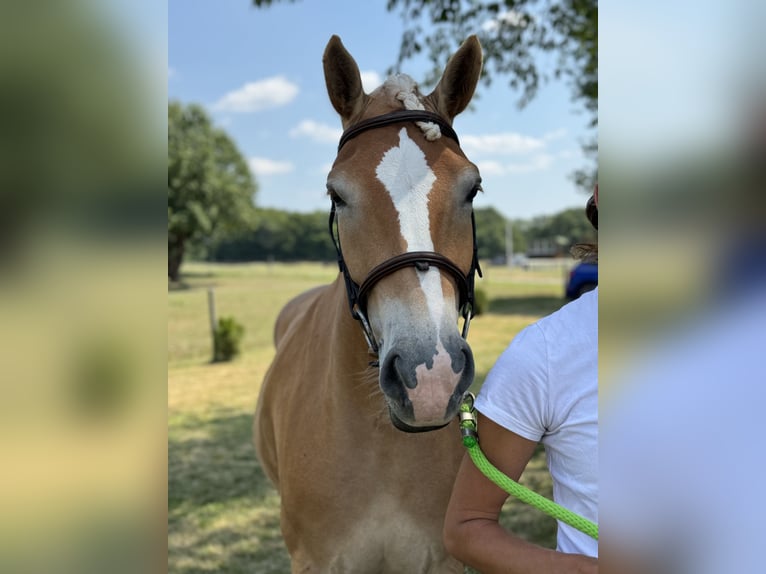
{"points": [[403, 88]]}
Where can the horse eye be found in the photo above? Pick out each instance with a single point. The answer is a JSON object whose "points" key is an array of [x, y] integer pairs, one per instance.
{"points": [[335, 198], [476, 189]]}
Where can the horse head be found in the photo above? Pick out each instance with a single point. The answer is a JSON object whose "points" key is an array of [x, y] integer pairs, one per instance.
{"points": [[402, 192]]}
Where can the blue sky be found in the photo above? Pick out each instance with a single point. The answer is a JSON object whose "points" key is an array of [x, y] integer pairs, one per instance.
{"points": [[259, 74]]}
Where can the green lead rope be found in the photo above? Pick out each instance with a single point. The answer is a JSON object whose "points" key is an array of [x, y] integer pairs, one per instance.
{"points": [[468, 430]]}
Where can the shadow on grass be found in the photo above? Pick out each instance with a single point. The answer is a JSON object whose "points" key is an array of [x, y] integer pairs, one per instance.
{"points": [[233, 550], [526, 305], [223, 512], [212, 459], [183, 285], [178, 286], [197, 274]]}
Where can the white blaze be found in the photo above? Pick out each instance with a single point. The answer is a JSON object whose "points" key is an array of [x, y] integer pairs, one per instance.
{"points": [[406, 176]]}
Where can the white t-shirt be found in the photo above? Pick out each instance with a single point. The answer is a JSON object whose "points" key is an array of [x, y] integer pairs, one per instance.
{"points": [[544, 387]]}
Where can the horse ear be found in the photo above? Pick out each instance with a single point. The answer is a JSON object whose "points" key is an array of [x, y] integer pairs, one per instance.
{"points": [[344, 83], [456, 87]]}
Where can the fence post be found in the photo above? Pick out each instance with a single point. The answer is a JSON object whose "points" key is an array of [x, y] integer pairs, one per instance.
{"points": [[211, 313]]}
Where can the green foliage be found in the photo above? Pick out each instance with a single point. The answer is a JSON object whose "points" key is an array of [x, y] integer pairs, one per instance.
{"points": [[279, 236], [79, 146], [519, 238], [101, 381], [210, 187], [521, 33], [571, 225], [490, 232], [227, 339], [480, 301]]}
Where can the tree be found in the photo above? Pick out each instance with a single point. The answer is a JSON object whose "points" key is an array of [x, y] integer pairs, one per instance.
{"points": [[490, 232], [565, 228], [210, 187], [281, 236], [514, 35]]}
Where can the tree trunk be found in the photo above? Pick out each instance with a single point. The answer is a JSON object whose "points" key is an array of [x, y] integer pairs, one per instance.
{"points": [[175, 257]]}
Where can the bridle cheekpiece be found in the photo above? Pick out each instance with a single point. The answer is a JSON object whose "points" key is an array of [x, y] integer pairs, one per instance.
{"points": [[421, 260]]}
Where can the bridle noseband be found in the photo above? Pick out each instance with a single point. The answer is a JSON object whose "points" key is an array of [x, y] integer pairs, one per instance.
{"points": [[421, 260]]}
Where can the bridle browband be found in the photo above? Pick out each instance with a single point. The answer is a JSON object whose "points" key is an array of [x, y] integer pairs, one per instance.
{"points": [[396, 117], [421, 260]]}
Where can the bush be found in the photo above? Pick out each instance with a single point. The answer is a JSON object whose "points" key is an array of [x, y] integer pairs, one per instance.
{"points": [[480, 301], [227, 339]]}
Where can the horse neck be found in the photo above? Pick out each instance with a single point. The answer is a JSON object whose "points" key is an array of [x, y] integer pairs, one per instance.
{"points": [[349, 373], [349, 344]]}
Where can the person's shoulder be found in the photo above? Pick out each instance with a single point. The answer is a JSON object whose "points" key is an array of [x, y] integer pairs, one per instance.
{"points": [[527, 346], [578, 313]]}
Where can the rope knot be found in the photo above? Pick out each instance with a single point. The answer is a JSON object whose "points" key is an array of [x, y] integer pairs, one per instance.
{"points": [[410, 100]]}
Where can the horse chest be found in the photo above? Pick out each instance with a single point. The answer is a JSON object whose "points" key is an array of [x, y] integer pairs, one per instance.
{"points": [[358, 504], [387, 538]]}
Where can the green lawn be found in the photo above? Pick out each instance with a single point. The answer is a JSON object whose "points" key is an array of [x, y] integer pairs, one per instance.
{"points": [[223, 512]]}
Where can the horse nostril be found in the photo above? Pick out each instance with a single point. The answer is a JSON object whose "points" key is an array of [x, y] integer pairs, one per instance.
{"points": [[462, 364], [460, 360], [393, 373], [397, 368]]}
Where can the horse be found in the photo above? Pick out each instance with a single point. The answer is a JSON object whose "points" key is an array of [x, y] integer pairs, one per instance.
{"points": [[356, 418]]}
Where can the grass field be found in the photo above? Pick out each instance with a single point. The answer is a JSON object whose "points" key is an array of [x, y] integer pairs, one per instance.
{"points": [[223, 512]]}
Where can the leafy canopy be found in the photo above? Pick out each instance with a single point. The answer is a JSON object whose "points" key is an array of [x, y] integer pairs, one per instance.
{"points": [[210, 187], [515, 36]]}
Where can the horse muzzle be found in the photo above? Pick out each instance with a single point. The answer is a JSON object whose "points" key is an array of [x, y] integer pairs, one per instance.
{"points": [[424, 389]]}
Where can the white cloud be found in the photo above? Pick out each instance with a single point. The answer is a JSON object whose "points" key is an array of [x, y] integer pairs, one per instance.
{"points": [[370, 80], [315, 131], [540, 162], [263, 166], [490, 168], [503, 143], [256, 96]]}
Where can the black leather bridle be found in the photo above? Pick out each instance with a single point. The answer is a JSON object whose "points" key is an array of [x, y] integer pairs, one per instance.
{"points": [[421, 260]]}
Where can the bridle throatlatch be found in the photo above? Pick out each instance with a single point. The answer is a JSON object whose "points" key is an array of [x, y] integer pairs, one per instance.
{"points": [[421, 260]]}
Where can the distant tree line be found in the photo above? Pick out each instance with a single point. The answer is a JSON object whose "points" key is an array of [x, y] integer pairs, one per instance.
{"points": [[287, 236], [278, 236]]}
